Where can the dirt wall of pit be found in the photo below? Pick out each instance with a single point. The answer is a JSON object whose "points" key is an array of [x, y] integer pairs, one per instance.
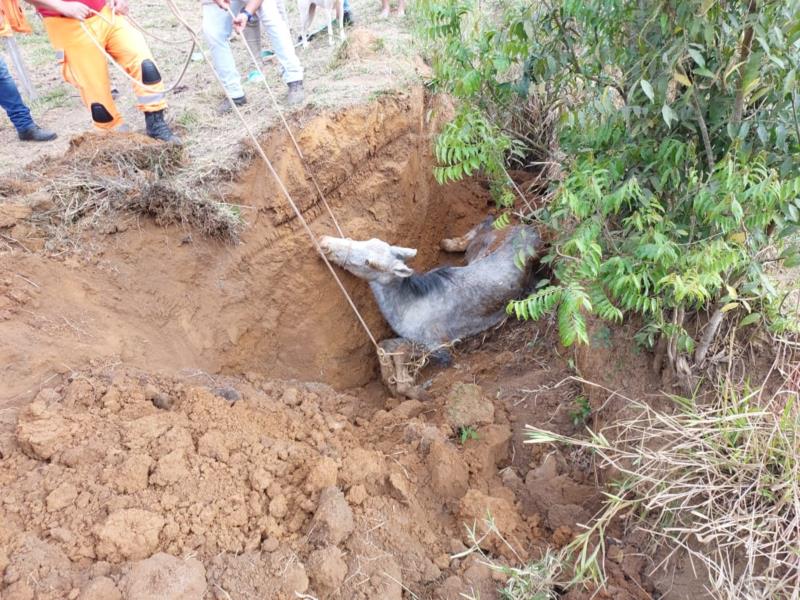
{"points": [[168, 299]]}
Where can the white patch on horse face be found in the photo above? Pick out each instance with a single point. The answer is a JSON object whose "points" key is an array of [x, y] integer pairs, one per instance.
{"points": [[372, 260]]}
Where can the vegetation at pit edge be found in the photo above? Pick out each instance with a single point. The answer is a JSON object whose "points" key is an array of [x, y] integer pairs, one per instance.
{"points": [[677, 125]]}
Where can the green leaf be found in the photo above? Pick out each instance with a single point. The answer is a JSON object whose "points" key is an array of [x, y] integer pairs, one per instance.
{"points": [[736, 209], [668, 114], [648, 89], [750, 319], [792, 260], [789, 83], [697, 57]]}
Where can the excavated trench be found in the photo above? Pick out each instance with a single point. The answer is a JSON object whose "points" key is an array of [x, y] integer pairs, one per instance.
{"points": [[164, 299]]}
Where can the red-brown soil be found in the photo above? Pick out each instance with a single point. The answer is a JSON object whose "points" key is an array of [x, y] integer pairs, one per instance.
{"points": [[160, 436]]}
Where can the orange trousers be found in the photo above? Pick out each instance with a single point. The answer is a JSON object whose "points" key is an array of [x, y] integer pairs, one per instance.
{"points": [[84, 65]]}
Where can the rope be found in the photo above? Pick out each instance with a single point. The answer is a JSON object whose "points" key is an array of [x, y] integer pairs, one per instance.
{"points": [[277, 108], [110, 58], [275, 176]]}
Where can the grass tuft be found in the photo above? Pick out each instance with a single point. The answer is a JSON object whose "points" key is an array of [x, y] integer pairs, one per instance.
{"points": [[720, 482]]}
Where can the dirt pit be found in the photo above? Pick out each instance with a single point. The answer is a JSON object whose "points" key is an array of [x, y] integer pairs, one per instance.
{"points": [[157, 441], [166, 299]]}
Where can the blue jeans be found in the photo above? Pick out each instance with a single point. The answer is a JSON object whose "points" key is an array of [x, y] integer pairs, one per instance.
{"points": [[12, 102], [217, 28], [346, 5]]}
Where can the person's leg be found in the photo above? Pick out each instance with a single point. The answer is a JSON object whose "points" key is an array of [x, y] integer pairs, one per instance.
{"points": [[340, 18], [349, 19], [84, 66], [127, 46], [217, 28], [281, 4], [281, 38], [384, 8], [12, 102]]}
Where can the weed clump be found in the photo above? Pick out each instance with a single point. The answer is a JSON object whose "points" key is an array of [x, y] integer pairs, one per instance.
{"points": [[101, 176], [720, 482]]}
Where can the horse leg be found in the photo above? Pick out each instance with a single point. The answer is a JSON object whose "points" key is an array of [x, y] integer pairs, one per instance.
{"points": [[461, 244], [395, 357]]}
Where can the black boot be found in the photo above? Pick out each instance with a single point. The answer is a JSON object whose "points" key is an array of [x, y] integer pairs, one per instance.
{"points": [[36, 134], [158, 129], [348, 19], [296, 94]]}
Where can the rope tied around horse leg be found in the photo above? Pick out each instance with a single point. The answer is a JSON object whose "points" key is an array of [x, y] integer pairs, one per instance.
{"points": [[276, 177], [278, 110]]}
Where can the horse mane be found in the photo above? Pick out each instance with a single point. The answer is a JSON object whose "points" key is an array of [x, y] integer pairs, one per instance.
{"points": [[422, 284]]}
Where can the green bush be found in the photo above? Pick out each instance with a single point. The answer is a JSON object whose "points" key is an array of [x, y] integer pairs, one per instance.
{"points": [[679, 123]]}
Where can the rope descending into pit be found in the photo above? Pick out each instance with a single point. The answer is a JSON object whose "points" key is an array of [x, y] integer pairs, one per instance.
{"points": [[278, 110], [193, 34]]}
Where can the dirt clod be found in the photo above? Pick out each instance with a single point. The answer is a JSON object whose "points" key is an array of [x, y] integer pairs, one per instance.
{"points": [[476, 508], [41, 432], [165, 577], [214, 445], [327, 568], [323, 474], [333, 520], [61, 497], [129, 534], [449, 472], [12, 213], [170, 468], [132, 475], [466, 406], [100, 588], [19, 590]]}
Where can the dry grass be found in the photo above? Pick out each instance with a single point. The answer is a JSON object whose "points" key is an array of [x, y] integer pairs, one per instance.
{"points": [[542, 579], [102, 176], [720, 482]]}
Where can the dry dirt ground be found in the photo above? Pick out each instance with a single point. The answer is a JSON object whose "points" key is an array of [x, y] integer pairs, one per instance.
{"points": [[377, 58], [188, 417]]}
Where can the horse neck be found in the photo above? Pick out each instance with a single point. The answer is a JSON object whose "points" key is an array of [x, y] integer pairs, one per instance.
{"points": [[389, 297]]}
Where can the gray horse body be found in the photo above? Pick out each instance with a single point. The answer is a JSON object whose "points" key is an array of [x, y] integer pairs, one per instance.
{"points": [[447, 303]]}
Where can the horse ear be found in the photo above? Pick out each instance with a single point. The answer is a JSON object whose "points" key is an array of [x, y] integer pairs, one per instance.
{"points": [[403, 253], [401, 269]]}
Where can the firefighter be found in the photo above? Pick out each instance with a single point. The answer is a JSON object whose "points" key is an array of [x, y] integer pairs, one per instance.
{"points": [[84, 65], [20, 115]]}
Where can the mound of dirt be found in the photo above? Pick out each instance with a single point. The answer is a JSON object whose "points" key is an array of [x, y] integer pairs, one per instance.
{"points": [[360, 44], [100, 480], [280, 484], [119, 484]]}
